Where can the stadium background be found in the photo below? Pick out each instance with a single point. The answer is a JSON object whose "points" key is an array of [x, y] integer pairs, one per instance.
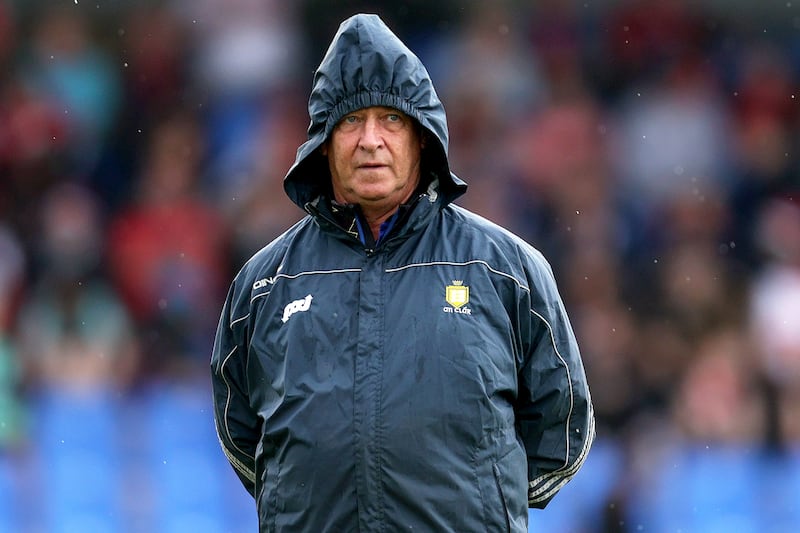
{"points": [[649, 148]]}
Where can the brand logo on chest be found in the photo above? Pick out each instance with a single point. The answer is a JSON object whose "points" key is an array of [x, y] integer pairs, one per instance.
{"points": [[303, 304]]}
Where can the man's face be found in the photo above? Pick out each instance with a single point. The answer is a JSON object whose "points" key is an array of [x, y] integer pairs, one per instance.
{"points": [[374, 158]]}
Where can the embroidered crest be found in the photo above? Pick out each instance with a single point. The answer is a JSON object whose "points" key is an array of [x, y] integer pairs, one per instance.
{"points": [[457, 294]]}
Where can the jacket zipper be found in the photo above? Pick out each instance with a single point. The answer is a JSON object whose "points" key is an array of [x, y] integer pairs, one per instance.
{"points": [[314, 211]]}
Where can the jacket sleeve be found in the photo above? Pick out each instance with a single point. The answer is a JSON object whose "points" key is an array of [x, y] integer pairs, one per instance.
{"points": [[554, 411], [237, 425]]}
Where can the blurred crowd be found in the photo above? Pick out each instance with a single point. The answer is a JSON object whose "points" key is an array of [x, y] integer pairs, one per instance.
{"points": [[650, 149]]}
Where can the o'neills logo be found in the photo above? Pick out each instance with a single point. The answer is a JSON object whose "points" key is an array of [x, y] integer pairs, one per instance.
{"points": [[296, 306], [457, 295]]}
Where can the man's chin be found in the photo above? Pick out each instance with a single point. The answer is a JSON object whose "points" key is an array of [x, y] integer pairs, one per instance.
{"points": [[376, 195]]}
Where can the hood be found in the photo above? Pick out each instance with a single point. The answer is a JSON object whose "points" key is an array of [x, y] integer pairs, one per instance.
{"points": [[368, 65]]}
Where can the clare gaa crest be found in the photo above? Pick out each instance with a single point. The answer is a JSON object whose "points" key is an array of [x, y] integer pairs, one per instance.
{"points": [[457, 295]]}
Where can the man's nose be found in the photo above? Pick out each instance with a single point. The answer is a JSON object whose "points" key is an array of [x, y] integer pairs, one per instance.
{"points": [[371, 138]]}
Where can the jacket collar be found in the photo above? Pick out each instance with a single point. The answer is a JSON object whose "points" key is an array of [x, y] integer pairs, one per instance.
{"points": [[346, 220]]}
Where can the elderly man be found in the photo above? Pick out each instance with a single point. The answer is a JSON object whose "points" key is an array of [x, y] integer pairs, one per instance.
{"points": [[394, 362]]}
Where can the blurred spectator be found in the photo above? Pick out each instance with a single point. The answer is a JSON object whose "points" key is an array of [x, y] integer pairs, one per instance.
{"points": [[12, 263], [698, 293], [156, 49], [718, 398], [153, 48], [561, 193], [241, 46], [32, 128], [647, 36], [252, 198], [32, 141], [167, 250], [74, 332], [673, 135], [246, 57], [776, 292], [610, 343], [558, 35], [766, 115], [69, 67], [775, 311], [12, 274], [488, 77]]}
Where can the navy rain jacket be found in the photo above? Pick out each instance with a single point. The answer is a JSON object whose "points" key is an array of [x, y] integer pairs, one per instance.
{"points": [[429, 383]]}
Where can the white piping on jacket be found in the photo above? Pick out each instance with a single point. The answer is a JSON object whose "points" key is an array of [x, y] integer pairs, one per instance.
{"points": [[249, 474]]}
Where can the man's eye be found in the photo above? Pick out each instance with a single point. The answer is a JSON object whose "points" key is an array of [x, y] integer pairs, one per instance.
{"points": [[352, 119], [394, 117]]}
